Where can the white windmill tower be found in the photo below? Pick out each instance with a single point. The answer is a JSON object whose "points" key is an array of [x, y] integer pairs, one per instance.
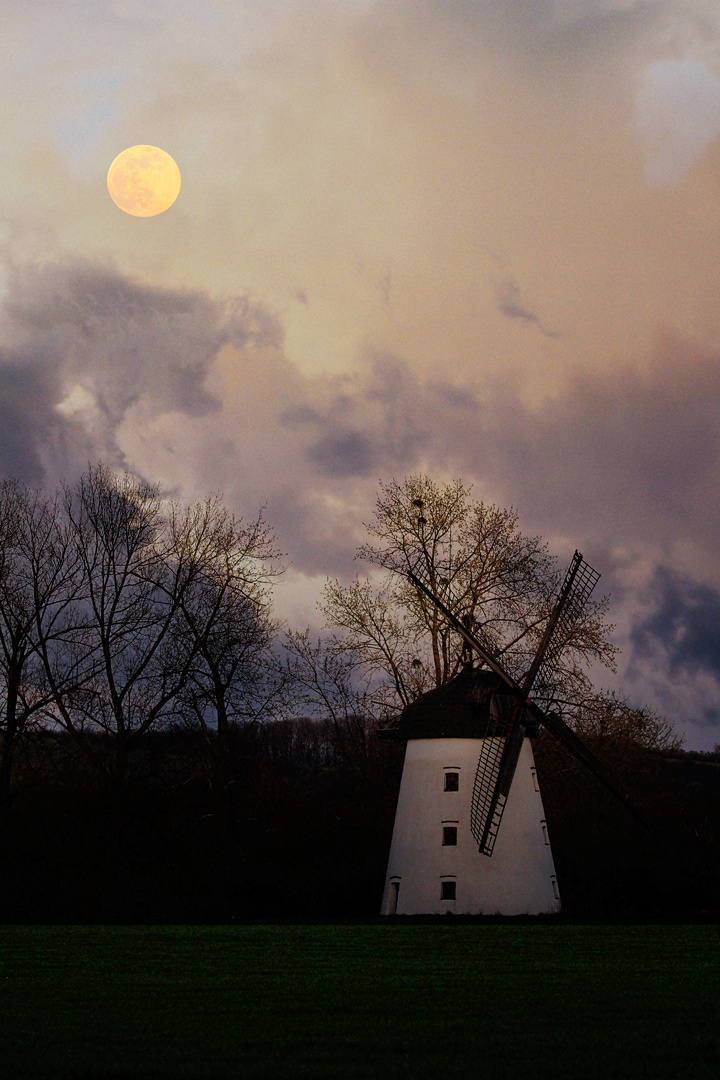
{"points": [[468, 766]]}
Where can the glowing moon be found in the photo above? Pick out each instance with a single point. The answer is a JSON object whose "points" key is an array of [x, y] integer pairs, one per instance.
{"points": [[143, 181]]}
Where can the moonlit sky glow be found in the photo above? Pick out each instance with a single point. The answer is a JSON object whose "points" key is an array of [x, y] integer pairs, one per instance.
{"points": [[478, 238]]}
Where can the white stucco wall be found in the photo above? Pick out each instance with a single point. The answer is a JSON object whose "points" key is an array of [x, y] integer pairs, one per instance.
{"points": [[519, 876]]}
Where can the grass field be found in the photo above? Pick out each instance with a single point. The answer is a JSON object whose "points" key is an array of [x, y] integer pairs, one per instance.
{"points": [[387, 999]]}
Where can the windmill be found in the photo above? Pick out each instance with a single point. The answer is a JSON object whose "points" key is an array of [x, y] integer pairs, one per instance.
{"points": [[477, 724]]}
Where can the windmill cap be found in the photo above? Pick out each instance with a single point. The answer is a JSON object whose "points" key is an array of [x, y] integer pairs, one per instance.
{"points": [[458, 710]]}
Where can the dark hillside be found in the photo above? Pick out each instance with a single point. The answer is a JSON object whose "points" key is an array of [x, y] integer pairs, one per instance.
{"points": [[610, 864], [303, 830]]}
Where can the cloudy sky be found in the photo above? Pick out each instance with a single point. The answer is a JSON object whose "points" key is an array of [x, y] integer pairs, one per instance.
{"points": [[475, 238]]}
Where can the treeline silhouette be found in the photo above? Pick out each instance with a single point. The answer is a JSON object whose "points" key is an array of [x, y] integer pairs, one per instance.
{"points": [[303, 829], [304, 825]]}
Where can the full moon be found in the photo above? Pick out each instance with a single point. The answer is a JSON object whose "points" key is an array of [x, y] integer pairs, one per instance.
{"points": [[143, 181]]}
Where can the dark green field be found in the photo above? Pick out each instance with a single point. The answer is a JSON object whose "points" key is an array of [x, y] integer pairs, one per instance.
{"points": [[380, 1000]]}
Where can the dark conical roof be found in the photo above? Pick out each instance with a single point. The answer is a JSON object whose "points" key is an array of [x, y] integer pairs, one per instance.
{"points": [[458, 710]]}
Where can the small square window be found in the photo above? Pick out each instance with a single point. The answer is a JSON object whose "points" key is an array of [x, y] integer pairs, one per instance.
{"points": [[451, 781], [449, 835], [447, 890]]}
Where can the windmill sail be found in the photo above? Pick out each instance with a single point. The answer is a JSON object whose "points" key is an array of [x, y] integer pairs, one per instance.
{"points": [[498, 760], [580, 581], [495, 771]]}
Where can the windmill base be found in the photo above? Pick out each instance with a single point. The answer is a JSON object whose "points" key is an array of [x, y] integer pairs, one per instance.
{"points": [[427, 875]]}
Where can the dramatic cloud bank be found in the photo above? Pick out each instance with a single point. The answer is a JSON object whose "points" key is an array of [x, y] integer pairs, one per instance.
{"points": [[621, 465]]}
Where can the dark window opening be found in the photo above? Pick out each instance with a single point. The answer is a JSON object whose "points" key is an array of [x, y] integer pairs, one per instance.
{"points": [[451, 781], [447, 890], [394, 890], [449, 835]]}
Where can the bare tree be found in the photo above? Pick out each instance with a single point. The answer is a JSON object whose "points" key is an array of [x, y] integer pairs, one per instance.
{"points": [[324, 684], [38, 590], [608, 720], [502, 582], [127, 652], [227, 617]]}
